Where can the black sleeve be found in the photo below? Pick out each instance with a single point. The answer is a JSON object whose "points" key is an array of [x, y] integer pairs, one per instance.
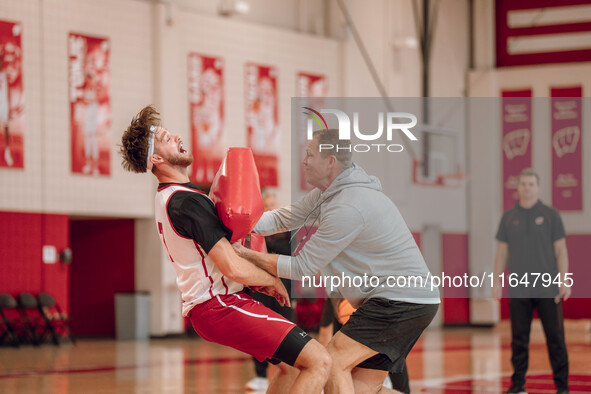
{"points": [[557, 227], [194, 216], [502, 232], [279, 243]]}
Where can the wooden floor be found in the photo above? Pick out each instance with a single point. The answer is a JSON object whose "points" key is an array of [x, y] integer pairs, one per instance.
{"points": [[449, 360]]}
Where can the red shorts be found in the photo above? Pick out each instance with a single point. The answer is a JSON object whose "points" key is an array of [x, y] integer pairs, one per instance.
{"points": [[238, 321]]}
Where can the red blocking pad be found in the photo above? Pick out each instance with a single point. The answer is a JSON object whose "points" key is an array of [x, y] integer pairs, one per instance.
{"points": [[257, 243], [236, 192]]}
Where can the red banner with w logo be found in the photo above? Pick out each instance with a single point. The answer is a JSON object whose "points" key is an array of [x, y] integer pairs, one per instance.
{"points": [[567, 157], [516, 142]]}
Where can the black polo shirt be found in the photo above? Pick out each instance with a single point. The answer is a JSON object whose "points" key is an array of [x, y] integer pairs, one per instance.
{"points": [[530, 235]]}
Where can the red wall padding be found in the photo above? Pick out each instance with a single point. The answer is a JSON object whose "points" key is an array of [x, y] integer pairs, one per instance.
{"points": [[454, 255], [20, 243], [22, 236], [103, 264], [56, 276]]}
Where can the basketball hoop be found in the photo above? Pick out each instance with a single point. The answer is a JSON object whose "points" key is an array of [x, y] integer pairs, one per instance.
{"points": [[445, 168]]}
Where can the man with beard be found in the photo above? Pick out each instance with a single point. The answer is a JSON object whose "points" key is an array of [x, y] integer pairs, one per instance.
{"points": [[210, 275]]}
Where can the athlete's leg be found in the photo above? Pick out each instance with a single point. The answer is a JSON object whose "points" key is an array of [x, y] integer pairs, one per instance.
{"points": [[370, 381], [283, 379], [314, 364], [346, 354]]}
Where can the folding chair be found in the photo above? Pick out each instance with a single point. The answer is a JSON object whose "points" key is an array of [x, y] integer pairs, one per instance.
{"points": [[57, 321], [33, 318], [10, 322]]}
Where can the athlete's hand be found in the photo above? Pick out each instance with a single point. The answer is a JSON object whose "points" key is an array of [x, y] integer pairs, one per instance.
{"points": [[281, 293], [277, 291]]}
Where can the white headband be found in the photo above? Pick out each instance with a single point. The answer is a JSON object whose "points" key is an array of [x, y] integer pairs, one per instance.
{"points": [[149, 164]]}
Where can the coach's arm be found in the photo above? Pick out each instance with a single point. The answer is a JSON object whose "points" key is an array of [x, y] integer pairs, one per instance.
{"points": [[242, 271]]}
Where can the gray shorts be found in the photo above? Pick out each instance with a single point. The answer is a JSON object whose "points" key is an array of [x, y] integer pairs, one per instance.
{"points": [[389, 327]]}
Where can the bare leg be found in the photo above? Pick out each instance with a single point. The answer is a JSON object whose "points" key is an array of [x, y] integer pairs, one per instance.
{"points": [[283, 379], [370, 381], [314, 364], [346, 354], [325, 334]]}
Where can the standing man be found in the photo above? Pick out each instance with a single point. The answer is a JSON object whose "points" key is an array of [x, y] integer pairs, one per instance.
{"points": [[360, 234], [210, 275], [532, 240]]}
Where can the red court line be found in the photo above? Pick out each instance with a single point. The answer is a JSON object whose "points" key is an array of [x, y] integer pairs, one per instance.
{"points": [[506, 346], [535, 384], [20, 374], [581, 379]]}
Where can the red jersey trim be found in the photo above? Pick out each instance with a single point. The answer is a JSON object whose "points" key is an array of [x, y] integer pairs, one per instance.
{"points": [[224, 283]]}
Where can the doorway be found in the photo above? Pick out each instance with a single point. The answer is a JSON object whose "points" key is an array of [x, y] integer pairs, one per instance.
{"points": [[102, 265]]}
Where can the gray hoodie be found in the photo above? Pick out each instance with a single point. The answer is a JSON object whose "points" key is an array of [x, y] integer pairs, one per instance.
{"points": [[360, 234]]}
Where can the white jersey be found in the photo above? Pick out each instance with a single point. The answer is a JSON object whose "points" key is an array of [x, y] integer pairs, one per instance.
{"points": [[198, 278]]}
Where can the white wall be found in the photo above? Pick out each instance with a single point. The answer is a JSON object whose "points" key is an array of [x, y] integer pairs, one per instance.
{"points": [[148, 65], [385, 27], [306, 16], [124, 23], [46, 184], [20, 188], [238, 43]]}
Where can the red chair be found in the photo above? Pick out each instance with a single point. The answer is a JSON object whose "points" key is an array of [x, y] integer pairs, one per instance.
{"points": [[33, 318], [12, 329], [56, 320]]}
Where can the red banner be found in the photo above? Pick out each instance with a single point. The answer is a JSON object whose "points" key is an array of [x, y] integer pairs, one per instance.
{"points": [[90, 104], [206, 109], [516, 141], [262, 120], [315, 87], [567, 156], [12, 98]]}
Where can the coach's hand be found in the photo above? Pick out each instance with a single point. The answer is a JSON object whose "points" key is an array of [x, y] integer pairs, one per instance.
{"points": [[238, 248]]}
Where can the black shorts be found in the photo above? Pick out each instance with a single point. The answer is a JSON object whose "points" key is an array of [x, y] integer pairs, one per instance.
{"points": [[291, 347], [389, 327]]}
